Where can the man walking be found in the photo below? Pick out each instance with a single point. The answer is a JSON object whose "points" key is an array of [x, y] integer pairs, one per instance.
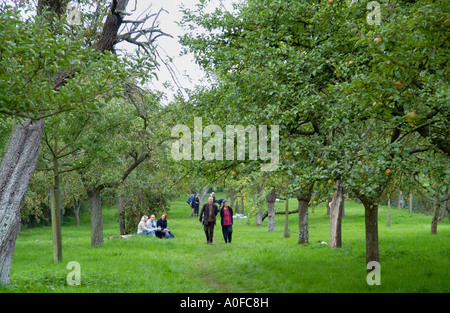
{"points": [[208, 214]]}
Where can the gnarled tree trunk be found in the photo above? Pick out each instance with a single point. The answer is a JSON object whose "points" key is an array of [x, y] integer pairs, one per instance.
{"points": [[17, 166]]}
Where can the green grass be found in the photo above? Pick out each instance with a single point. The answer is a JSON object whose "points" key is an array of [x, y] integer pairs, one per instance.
{"points": [[411, 259]]}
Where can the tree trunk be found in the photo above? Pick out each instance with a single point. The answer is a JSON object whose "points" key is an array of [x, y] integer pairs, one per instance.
{"points": [[17, 166], [271, 211], [401, 200], [56, 206], [76, 211], [336, 215], [388, 224], [56, 223], [410, 203], [258, 217], [434, 221], [328, 204], [96, 216], [286, 223], [242, 204], [120, 204], [303, 227], [441, 219], [111, 26], [371, 221], [55, 7], [204, 193], [46, 215]]}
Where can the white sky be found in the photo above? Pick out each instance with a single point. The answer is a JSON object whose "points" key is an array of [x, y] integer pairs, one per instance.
{"points": [[187, 72]]}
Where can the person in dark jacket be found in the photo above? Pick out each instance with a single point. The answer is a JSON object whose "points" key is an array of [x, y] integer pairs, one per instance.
{"points": [[208, 219], [195, 204], [220, 202], [226, 216], [164, 232]]}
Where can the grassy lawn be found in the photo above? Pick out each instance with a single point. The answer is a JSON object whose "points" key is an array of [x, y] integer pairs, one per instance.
{"points": [[411, 259]]}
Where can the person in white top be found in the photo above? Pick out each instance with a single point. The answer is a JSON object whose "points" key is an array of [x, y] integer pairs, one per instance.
{"points": [[142, 227]]}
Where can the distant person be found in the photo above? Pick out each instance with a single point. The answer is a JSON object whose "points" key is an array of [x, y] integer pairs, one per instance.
{"points": [[220, 202], [164, 232], [142, 228], [190, 200], [151, 225], [213, 195], [208, 215], [195, 204], [226, 220]]}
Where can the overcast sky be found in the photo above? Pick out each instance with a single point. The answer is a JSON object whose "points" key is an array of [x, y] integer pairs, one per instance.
{"points": [[187, 72]]}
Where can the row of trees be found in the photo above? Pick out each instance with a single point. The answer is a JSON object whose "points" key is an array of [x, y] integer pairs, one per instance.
{"points": [[74, 113], [359, 107]]}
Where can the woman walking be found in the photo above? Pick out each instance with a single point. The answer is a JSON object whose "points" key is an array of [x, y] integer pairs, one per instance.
{"points": [[164, 232], [226, 215]]}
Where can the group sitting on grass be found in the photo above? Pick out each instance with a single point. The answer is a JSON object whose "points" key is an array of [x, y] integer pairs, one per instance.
{"points": [[207, 218], [157, 229]]}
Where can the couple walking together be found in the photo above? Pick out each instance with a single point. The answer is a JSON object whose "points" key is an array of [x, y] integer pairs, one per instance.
{"points": [[208, 219]]}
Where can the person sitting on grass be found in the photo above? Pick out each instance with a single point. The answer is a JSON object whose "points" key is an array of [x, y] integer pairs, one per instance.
{"points": [[142, 228], [151, 224], [164, 232]]}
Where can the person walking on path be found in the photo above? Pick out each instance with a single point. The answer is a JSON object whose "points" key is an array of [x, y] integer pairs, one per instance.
{"points": [[191, 198], [226, 220], [208, 219], [195, 204]]}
